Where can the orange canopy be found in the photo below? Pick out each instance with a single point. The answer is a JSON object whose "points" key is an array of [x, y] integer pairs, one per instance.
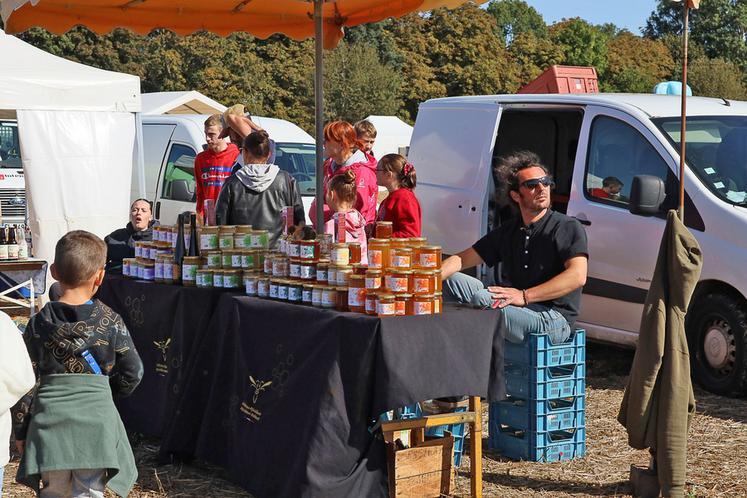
{"points": [[261, 18]]}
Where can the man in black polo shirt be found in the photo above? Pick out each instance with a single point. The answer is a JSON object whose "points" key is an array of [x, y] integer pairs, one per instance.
{"points": [[544, 256]]}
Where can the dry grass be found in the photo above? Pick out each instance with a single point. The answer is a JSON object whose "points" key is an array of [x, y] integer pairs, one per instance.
{"points": [[716, 458]]}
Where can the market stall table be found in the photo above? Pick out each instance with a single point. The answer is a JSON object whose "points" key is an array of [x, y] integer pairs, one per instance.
{"points": [[283, 395], [30, 274]]}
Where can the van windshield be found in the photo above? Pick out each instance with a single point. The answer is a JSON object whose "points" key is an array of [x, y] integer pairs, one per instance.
{"points": [[10, 151], [299, 161], [716, 151]]}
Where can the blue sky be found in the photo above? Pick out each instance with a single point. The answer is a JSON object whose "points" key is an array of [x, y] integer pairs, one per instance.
{"points": [[630, 14]]}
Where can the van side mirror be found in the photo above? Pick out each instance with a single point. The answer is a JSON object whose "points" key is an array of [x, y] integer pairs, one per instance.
{"points": [[180, 191], [647, 194]]}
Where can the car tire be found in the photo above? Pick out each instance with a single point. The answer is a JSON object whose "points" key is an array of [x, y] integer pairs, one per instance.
{"points": [[717, 336]]}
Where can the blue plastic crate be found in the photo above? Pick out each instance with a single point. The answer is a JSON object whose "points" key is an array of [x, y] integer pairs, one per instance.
{"points": [[516, 413], [550, 446], [457, 432], [537, 351], [524, 381]]}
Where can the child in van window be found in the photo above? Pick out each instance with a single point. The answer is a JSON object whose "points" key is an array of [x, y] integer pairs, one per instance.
{"points": [[611, 187], [341, 196], [366, 132], [401, 207], [73, 441]]}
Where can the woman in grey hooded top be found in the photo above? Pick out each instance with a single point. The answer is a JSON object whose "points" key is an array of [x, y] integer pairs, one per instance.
{"points": [[256, 194]]}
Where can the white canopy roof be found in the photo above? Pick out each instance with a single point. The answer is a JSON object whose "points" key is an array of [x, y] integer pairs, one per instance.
{"points": [[391, 134], [32, 79], [191, 102]]}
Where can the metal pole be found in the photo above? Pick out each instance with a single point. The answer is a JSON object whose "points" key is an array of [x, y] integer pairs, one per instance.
{"points": [[319, 111], [683, 111]]}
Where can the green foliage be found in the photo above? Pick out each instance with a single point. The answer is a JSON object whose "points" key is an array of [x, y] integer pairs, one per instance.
{"points": [[516, 17], [582, 43], [716, 78], [533, 55], [635, 64]]}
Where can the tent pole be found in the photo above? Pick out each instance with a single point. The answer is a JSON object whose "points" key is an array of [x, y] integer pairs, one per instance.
{"points": [[683, 111], [140, 158], [319, 112]]}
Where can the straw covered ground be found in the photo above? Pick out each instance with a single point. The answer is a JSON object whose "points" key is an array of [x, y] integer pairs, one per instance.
{"points": [[716, 459]]}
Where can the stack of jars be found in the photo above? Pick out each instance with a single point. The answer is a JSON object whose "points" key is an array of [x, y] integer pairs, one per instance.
{"points": [[152, 257]]}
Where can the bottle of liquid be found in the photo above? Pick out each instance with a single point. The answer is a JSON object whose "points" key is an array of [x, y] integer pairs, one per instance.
{"points": [[23, 246], [3, 245], [179, 249], [12, 243], [193, 241]]}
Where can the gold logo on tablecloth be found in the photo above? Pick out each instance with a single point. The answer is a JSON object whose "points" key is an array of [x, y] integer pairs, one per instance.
{"points": [[252, 413], [162, 367]]}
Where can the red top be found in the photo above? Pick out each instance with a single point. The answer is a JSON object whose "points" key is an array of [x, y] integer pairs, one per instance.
{"points": [[364, 166], [599, 192], [211, 170], [402, 208]]}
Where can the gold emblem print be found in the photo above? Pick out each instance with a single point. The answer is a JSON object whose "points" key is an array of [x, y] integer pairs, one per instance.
{"points": [[252, 413], [162, 367]]}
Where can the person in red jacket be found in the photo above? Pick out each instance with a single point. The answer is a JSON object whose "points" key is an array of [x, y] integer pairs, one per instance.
{"points": [[401, 207], [213, 166], [344, 152]]}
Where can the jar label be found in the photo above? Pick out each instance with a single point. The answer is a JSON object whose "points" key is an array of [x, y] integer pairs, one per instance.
{"points": [[153, 252], [168, 271], [396, 284], [356, 297], [239, 241], [273, 291], [258, 241], [125, 269], [283, 292], [306, 252], [189, 272], [399, 307], [236, 261], [226, 241], [401, 261], [159, 270], [322, 275], [283, 245], [268, 265], [294, 293], [251, 287], [386, 309], [294, 249], [423, 307], [231, 282], [307, 296], [139, 271], [373, 282], [262, 288], [200, 280], [375, 258], [316, 297], [247, 260], [226, 260], [214, 260], [307, 272], [370, 304], [421, 286], [428, 260], [329, 298], [218, 280], [342, 278], [208, 241], [295, 270], [340, 256], [148, 273]]}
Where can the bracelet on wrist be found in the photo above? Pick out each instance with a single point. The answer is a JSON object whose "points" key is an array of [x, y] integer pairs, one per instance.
{"points": [[524, 295]]}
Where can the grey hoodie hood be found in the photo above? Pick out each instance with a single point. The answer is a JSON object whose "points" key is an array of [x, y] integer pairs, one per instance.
{"points": [[257, 177], [357, 157]]}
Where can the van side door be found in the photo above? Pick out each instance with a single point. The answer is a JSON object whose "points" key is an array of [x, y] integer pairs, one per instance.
{"points": [[623, 247], [176, 183]]}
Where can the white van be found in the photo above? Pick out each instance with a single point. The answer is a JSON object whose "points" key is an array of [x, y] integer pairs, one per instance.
{"points": [[171, 142], [12, 183], [584, 139]]}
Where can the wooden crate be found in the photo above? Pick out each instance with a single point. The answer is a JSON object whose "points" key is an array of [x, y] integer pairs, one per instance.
{"points": [[422, 471]]}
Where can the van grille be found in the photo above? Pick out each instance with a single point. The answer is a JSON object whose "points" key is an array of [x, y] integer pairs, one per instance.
{"points": [[13, 202]]}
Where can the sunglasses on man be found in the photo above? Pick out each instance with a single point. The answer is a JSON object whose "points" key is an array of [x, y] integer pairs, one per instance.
{"points": [[546, 181]]}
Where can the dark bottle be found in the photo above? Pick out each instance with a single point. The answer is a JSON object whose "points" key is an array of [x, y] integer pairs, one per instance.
{"points": [[193, 241], [12, 243], [179, 249], [3, 244]]}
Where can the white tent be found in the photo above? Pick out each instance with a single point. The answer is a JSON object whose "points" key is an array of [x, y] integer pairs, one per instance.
{"points": [[391, 134], [77, 131], [191, 102]]}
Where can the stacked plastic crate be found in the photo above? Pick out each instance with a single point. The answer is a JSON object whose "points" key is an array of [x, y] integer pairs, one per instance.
{"points": [[543, 418]]}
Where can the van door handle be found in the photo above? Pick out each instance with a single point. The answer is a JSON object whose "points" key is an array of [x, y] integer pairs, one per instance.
{"points": [[158, 210], [583, 222]]}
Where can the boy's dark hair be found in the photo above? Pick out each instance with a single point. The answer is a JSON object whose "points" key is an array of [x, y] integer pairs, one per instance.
{"points": [[611, 180], [78, 255], [365, 127], [343, 185], [257, 143]]}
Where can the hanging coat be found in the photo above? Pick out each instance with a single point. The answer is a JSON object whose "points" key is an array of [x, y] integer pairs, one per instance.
{"points": [[659, 401]]}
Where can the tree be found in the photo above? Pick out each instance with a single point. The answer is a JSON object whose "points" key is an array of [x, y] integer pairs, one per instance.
{"points": [[532, 55], [516, 17], [636, 64], [582, 43], [716, 78]]}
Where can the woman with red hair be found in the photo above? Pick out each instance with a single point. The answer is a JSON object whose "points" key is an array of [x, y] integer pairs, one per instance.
{"points": [[344, 152]]}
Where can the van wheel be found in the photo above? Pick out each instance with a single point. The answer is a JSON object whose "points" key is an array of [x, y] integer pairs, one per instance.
{"points": [[717, 333]]}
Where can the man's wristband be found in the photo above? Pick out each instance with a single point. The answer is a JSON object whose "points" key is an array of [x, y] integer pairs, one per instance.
{"points": [[524, 295]]}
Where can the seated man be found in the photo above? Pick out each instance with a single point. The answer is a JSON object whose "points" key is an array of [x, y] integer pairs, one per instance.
{"points": [[543, 255], [120, 243]]}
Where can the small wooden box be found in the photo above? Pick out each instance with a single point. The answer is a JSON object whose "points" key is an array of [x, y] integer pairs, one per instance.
{"points": [[422, 471]]}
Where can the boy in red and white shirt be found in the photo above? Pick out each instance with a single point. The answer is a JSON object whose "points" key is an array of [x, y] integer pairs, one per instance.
{"points": [[213, 165]]}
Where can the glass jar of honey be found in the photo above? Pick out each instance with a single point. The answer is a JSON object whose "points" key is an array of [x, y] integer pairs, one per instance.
{"points": [[378, 253], [438, 303], [329, 297], [398, 281], [169, 268], [263, 287], [294, 268], [340, 254], [383, 230], [331, 274], [218, 279], [226, 258], [307, 270], [189, 270], [423, 304], [247, 259], [225, 237], [294, 248], [428, 257], [250, 285], [370, 302], [316, 295], [439, 282], [357, 293], [242, 238], [259, 239], [322, 272], [374, 279], [232, 279], [204, 278], [342, 276], [208, 239], [424, 282], [267, 265], [359, 269], [385, 305], [401, 258], [214, 259], [324, 241], [295, 290], [342, 299], [416, 242], [282, 289], [236, 258], [307, 294], [273, 288], [149, 271], [280, 266], [308, 249], [355, 252], [403, 304]]}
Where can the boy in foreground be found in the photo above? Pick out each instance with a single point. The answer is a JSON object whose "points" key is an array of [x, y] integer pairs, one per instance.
{"points": [[73, 441]]}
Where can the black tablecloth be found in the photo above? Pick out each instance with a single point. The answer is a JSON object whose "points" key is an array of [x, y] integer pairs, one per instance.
{"points": [[282, 395]]}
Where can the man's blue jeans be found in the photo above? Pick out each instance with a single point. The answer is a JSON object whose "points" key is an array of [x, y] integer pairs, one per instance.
{"points": [[519, 321]]}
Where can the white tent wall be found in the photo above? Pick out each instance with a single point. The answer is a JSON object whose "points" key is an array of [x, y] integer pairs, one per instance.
{"points": [[391, 134], [78, 166]]}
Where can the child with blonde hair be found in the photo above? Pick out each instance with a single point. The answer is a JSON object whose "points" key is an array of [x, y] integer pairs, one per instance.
{"points": [[341, 196]]}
